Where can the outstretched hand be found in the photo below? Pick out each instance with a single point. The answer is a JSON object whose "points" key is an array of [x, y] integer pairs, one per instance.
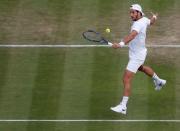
{"points": [[155, 15], [116, 45], [153, 18]]}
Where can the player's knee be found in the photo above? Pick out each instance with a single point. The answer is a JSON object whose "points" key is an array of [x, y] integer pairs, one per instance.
{"points": [[141, 68]]}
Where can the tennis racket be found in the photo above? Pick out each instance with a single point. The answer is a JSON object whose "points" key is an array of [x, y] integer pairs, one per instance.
{"points": [[94, 36]]}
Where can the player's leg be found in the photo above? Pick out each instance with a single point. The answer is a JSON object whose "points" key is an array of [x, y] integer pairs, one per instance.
{"points": [[147, 70], [159, 83], [127, 78], [131, 69]]}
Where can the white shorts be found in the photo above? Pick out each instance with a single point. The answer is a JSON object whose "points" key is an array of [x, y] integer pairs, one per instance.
{"points": [[133, 65]]}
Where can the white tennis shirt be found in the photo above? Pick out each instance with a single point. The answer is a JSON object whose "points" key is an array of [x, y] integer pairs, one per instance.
{"points": [[137, 48]]}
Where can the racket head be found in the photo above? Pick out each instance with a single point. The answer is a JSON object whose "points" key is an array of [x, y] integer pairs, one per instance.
{"points": [[94, 36]]}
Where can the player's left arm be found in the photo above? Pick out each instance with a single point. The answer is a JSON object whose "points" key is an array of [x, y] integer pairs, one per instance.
{"points": [[126, 39]]}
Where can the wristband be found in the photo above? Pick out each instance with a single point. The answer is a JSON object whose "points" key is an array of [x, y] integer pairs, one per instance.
{"points": [[121, 43]]}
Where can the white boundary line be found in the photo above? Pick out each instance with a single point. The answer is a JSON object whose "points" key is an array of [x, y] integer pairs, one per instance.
{"points": [[83, 120], [78, 46], [51, 46]]}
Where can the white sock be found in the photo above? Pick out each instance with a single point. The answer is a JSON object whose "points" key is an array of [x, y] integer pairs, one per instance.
{"points": [[155, 77], [124, 100]]}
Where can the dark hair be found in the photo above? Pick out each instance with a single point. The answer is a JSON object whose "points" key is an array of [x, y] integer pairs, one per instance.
{"points": [[139, 12]]}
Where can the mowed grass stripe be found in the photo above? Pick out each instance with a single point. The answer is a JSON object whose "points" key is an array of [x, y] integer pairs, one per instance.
{"points": [[16, 89], [4, 56], [176, 60], [7, 9], [20, 73], [76, 89], [106, 87], [47, 87], [162, 104], [74, 101]]}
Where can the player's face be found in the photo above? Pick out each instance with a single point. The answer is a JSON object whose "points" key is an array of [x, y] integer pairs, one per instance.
{"points": [[134, 15]]}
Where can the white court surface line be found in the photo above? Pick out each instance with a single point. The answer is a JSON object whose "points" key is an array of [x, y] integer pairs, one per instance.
{"points": [[83, 120], [79, 46]]}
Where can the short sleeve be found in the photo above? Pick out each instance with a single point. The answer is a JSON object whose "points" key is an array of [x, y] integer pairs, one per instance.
{"points": [[140, 24], [136, 26]]}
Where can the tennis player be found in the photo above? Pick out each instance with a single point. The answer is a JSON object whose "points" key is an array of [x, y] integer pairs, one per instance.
{"points": [[137, 54]]}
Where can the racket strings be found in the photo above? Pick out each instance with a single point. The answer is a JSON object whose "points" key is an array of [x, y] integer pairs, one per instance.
{"points": [[93, 36]]}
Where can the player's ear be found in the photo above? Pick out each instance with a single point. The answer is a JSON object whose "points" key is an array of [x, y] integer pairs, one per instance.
{"points": [[139, 13]]}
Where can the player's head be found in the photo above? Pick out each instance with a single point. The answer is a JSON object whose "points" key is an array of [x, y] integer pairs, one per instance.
{"points": [[136, 12]]}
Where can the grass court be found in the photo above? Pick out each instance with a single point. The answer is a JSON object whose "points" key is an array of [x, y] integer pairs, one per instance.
{"points": [[83, 83]]}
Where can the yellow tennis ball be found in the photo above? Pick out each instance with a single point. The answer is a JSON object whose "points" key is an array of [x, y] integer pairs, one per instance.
{"points": [[108, 30]]}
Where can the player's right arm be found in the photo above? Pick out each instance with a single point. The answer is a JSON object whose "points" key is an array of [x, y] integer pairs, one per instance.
{"points": [[126, 40]]}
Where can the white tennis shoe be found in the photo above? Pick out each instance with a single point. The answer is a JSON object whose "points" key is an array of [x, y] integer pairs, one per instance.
{"points": [[159, 84], [119, 109]]}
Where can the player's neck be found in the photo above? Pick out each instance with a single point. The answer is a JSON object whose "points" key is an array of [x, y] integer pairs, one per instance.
{"points": [[139, 17]]}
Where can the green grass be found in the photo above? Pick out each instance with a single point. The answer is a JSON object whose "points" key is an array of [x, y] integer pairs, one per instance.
{"points": [[83, 83]]}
